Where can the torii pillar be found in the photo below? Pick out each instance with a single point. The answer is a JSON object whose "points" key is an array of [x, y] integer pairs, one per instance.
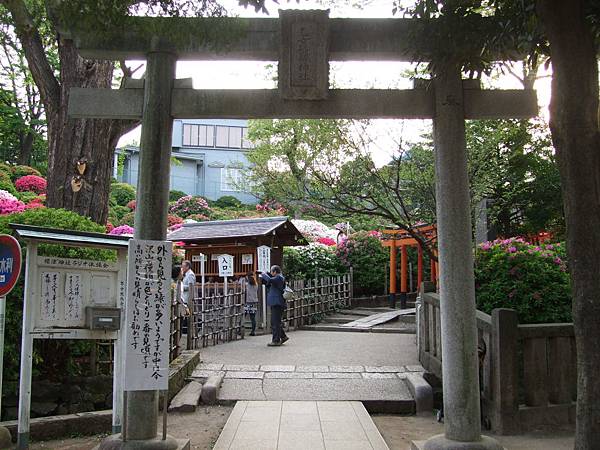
{"points": [[460, 373]]}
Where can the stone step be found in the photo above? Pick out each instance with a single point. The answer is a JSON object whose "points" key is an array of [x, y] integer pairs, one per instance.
{"points": [[340, 319], [379, 395], [187, 399], [399, 329]]}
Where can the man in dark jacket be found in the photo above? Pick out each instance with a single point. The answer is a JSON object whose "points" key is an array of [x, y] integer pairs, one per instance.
{"points": [[276, 285]]}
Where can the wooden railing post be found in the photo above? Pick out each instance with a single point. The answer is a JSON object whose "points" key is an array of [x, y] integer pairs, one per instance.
{"points": [[505, 381]]}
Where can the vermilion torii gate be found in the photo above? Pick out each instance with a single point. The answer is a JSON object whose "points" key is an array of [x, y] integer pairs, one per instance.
{"points": [[303, 42]]}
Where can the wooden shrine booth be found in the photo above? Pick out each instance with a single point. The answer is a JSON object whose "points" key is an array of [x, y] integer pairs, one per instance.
{"points": [[399, 238], [239, 238]]}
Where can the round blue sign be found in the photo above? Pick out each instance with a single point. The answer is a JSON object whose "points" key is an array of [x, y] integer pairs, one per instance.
{"points": [[10, 263]]}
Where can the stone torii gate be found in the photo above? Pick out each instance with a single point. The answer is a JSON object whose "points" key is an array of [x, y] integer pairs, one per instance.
{"points": [[303, 42]]}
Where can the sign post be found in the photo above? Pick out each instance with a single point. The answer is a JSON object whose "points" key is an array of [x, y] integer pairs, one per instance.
{"points": [[225, 269], [10, 268]]}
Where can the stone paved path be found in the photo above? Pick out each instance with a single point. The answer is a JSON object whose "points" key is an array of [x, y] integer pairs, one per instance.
{"points": [[285, 425], [315, 366]]}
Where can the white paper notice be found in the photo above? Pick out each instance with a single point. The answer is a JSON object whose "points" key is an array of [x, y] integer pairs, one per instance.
{"points": [[147, 318], [264, 258], [50, 281], [73, 297]]}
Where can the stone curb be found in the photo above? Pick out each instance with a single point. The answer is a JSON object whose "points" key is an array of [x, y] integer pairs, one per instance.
{"points": [[187, 399], [421, 391], [210, 390]]}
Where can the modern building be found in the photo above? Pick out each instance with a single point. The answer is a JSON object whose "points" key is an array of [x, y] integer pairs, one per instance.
{"points": [[209, 159]]}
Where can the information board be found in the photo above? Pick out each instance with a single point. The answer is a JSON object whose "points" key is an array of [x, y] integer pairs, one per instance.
{"points": [[147, 320], [264, 258], [225, 265], [66, 286]]}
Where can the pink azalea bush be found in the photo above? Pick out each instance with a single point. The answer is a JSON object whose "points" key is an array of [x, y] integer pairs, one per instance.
{"points": [[313, 230], [122, 230], [32, 183], [327, 241], [270, 205], [8, 206], [531, 279], [173, 219], [188, 205], [5, 195]]}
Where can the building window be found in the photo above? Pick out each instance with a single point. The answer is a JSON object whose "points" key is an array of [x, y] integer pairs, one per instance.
{"points": [[245, 142], [198, 135], [231, 179], [229, 137]]}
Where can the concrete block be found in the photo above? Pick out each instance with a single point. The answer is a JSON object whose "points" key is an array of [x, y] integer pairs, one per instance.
{"points": [[210, 390], [421, 391], [187, 399]]}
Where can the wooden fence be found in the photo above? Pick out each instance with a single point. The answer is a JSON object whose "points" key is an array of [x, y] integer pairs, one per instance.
{"points": [[315, 298], [216, 317], [527, 373]]}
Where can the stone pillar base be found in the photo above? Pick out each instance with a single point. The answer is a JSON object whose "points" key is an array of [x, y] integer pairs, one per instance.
{"points": [[441, 442], [5, 438], [115, 442]]}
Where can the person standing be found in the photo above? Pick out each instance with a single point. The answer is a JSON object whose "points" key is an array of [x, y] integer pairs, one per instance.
{"points": [[251, 299], [275, 282], [188, 284]]}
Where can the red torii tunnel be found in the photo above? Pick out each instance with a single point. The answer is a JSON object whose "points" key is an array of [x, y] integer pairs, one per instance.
{"points": [[394, 238]]}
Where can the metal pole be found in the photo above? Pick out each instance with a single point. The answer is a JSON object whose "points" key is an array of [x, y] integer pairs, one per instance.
{"points": [[2, 314], [165, 406]]}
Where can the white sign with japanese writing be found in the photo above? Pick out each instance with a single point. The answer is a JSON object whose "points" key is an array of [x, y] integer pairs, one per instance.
{"points": [[225, 265], [49, 300], [264, 258], [147, 318], [73, 297]]}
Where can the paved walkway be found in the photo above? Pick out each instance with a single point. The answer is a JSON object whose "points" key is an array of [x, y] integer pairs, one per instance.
{"points": [[285, 425], [315, 365]]}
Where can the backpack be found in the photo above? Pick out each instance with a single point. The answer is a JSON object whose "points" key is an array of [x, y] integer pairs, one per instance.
{"points": [[288, 293]]}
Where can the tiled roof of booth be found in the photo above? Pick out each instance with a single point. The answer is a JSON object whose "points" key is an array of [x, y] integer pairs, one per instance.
{"points": [[240, 228]]}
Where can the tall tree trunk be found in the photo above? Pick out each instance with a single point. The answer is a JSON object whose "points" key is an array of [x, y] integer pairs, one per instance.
{"points": [[26, 148], [89, 140], [576, 137], [71, 140]]}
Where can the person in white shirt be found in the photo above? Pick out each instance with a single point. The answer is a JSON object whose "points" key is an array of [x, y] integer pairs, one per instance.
{"points": [[188, 282]]}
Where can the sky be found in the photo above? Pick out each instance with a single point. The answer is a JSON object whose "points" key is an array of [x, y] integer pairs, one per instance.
{"points": [[385, 133]]}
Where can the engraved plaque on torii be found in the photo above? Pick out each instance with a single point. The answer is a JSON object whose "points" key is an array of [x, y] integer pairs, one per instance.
{"points": [[304, 55]]}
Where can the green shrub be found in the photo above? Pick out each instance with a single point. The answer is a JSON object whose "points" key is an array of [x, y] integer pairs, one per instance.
{"points": [[188, 205], [176, 195], [364, 253], [228, 201], [6, 183], [122, 193], [54, 218], [533, 280], [26, 196], [5, 168], [311, 261], [21, 171], [128, 219]]}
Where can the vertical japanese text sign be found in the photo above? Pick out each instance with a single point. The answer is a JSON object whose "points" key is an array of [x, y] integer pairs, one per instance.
{"points": [[264, 258], [225, 265], [147, 318]]}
